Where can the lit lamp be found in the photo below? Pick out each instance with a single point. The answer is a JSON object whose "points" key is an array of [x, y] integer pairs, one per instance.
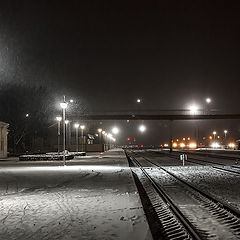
{"points": [[100, 131], [208, 100], [115, 130], [193, 109], [225, 133], [142, 128], [214, 134]]}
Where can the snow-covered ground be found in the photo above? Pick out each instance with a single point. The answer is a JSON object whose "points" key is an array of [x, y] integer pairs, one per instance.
{"points": [[91, 198], [221, 185]]}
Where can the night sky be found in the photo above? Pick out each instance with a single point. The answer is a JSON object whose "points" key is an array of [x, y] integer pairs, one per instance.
{"points": [[169, 53]]}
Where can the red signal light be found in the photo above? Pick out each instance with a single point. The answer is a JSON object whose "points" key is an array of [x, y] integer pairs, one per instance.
{"points": [[141, 146], [128, 139]]}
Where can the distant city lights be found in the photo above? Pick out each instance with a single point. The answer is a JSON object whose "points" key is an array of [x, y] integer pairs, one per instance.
{"points": [[231, 145], [174, 145], [192, 145], [215, 145], [182, 145]]}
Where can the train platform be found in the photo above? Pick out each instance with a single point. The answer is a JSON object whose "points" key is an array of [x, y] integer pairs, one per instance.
{"points": [[92, 197]]}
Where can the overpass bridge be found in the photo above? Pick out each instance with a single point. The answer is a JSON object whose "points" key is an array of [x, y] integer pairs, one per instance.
{"points": [[170, 117]]}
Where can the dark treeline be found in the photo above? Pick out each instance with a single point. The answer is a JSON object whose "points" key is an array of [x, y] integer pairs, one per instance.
{"points": [[40, 102]]}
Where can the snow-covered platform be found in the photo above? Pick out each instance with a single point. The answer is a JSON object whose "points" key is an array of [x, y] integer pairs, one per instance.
{"points": [[93, 197]]}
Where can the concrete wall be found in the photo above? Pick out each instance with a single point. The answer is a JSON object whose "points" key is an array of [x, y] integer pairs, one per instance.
{"points": [[86, 148]]}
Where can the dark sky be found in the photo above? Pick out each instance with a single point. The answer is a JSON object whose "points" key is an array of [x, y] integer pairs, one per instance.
{"points": [[169, 53]]}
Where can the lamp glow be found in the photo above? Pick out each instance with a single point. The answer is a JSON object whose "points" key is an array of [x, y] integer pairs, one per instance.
{"points": [[182, 145], [231, 145], [59, 119], [142, 128], [193, 109], [208, 100], [63, 105], [192, 145], [215, 145], [115, 130]]}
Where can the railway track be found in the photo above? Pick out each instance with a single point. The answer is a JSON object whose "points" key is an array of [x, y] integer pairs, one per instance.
{"points": [[223, 215], [218, 166]]}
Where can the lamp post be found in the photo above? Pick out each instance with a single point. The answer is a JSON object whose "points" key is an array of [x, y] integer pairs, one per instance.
{"points": [[76, 127], [214, 134], [100, 135], [225, 136], [208, 101], [64, 106], [67, 133], [59, 119], [225, 133], [82, 128]]}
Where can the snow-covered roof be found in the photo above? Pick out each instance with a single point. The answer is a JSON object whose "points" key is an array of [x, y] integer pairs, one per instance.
{"points": [[3, 124]]}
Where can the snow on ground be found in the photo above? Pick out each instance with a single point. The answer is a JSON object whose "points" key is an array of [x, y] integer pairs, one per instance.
{"points": [[220, 184], [92, 198]]}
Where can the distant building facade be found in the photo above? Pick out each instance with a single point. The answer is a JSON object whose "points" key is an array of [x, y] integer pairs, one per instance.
{"points": [[3, 139]]}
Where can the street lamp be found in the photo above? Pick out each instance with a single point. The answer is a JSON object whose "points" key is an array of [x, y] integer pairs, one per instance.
{"points": [[68, 134], [100, 131], [59, 119], [208, 100], [225, 136], [115, 130], [76, 125], [82, 128], [225, 133], [63, 105], [193, 109], [142, 128], [214, 134]]}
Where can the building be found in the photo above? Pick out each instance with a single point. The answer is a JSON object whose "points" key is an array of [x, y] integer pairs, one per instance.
{"points": [[3, 139]]}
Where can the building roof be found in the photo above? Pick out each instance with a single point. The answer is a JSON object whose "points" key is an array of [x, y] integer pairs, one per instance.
{"points": [[3, 124]]}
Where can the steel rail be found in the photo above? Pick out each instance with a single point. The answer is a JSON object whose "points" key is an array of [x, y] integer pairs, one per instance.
{"points": [[224, 204], [188, 226], [200, 160]]}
